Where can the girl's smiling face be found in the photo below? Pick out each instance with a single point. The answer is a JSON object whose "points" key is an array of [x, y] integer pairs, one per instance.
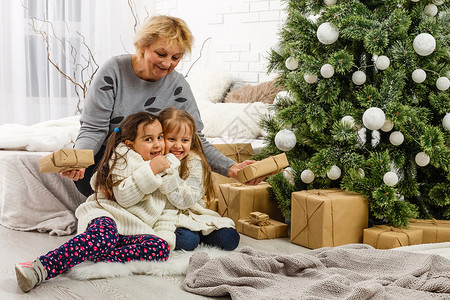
{"points": [[149, 141], [179, 142]]}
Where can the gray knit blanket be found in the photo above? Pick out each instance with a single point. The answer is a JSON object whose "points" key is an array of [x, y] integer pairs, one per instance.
{"points": [[354, 271]]}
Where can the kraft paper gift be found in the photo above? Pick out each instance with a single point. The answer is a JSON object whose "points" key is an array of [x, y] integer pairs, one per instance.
{"points": [[434, 231], [328, 218], [237, 152], [213, 204], [261, 227], [266, 167], [66, 159], [237, 201], [217, 180], [388, 237]]}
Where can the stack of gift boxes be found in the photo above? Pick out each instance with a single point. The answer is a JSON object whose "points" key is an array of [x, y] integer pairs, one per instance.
{"points": [[319, 218]]}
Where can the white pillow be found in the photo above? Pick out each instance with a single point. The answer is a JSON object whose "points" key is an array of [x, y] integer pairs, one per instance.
{"points": [[210, 85], [233, 120]]}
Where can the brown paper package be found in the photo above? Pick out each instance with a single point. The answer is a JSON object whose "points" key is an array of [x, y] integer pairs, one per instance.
{"points": [[237, 152], [237, 201], [328, 218], [434, 231], [274, 230], [266, 167], [66, 159], [388, 237]]}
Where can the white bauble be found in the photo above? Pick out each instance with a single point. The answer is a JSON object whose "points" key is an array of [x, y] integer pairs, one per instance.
{"points": [[281, 95], [373, 118], [327, 71], [438, 2], [390, 179], [388, 125], [442, 83], [288, 174], [376, 138], [415, 0], [396, 138], [446, 122], [349, 120], [361, 173], [418, 75], [424, 44], [422, 159], [359, 77], [310, 78], [291, 63], [285, 140], [329, 2], [430, 10], [334, 172], [307, 176], [382, 62], [327, 33]]}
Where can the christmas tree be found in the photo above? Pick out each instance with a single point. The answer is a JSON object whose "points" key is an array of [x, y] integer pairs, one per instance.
{"points": [[366, 106]]}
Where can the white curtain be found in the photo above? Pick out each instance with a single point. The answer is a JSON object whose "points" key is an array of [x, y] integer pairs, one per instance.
{"points": [[76, 33]]}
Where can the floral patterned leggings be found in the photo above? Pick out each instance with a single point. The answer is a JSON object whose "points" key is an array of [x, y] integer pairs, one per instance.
{"points": [[102, 242]]}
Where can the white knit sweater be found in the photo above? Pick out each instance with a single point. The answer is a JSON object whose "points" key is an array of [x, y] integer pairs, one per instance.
{"points": [[153, 204]]}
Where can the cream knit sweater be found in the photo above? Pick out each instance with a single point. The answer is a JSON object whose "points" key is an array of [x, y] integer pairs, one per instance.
{"points": [[153, 204]]}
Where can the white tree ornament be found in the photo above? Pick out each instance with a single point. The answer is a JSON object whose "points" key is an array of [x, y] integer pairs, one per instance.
{"points": [[310, 78], [424, 44], [349, 120], [291, 63], [327, 71], [430, 10], [374, 118], [288, 174], [329, 2], [396, 138], [438, 2], [285, 140], [327, 33], [307, 176], [422, 159], [382, 62], [388, 125], [334, 172], [446, 122], [390, 179], [359, 77], [442, 83], [418, 75]]}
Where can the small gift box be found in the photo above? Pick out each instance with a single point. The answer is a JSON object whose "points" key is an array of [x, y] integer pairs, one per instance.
{"points": [[434, 231], [328, 218], [237, 152], [266, 167], [387, 237], [260, 226], [237, 201], [66, 159]]}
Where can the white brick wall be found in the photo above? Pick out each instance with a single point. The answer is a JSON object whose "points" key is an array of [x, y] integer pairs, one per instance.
{"points": [[241, 31]]}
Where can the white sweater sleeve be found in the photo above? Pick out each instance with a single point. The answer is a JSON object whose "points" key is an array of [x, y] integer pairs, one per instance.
{"points": [[181, 193]]}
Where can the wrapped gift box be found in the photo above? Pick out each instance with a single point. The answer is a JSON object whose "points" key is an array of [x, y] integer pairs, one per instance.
{"points": [[217, 180], [328, 218], [434, 231], [261, 228], [237, 201], [237, 152], [213, 204], [266, 167], [387, 237], [66, 159]]}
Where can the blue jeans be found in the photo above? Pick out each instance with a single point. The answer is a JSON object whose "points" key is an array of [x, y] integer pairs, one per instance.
{"points": [[225, 238]]}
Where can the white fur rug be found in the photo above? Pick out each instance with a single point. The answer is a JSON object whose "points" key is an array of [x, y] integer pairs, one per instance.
{"points": [[442, 249], [177, 264]]}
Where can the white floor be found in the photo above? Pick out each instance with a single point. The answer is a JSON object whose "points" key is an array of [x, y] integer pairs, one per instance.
{"points": [[16, 246]]}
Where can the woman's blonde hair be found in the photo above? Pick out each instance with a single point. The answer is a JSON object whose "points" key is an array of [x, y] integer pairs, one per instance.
{"points": [[172, 28], [173, 119]]}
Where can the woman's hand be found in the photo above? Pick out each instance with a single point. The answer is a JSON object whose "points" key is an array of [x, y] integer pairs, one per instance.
{"points": [[74, 174], [159, 164], [233, 170]]}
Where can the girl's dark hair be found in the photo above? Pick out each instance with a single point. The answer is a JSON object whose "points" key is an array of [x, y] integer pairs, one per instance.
{"points": [[173, 119], [127, 130]]}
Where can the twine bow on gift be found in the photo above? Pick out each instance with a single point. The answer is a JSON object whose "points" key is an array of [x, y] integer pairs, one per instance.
{"points": [[261, 220], [242, 151]]}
